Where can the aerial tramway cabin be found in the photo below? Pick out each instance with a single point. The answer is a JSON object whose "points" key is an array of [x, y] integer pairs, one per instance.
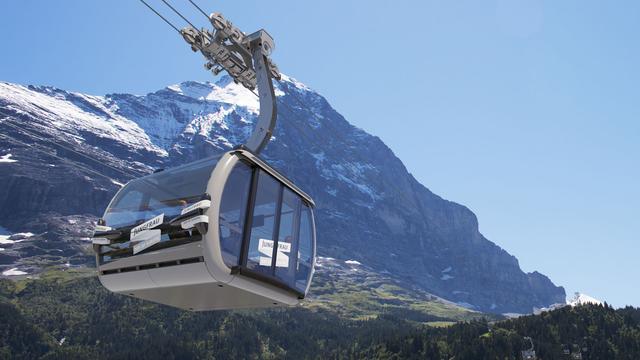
{"points": [[224, 232]]}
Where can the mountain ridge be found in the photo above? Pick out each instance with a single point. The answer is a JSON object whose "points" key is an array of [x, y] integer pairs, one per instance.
{"points": [[370, 208]]}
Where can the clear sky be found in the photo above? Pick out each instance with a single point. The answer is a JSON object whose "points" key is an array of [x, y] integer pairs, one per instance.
{"points": [[528, 112]]}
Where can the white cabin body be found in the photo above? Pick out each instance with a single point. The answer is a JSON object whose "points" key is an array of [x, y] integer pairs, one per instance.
{"points": [[226, 232]]}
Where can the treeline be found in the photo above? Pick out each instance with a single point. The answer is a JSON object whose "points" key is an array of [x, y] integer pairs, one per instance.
{"points": [[60, 318], [592, 331], [63, 318]]}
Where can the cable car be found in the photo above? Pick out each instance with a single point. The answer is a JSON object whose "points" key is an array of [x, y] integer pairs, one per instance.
{"points": [[225, 232]]}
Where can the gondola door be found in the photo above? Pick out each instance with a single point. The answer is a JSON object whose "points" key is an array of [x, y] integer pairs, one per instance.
{"points": [[272, 250]]}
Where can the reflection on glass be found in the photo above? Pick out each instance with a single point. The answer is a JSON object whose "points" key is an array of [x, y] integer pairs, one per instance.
{"points": [[287, 237], [263, 224], [305, 251], [233, 212], [166, 192]]}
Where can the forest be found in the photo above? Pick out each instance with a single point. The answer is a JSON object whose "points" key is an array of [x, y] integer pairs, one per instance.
{"points": [[61, 317]]}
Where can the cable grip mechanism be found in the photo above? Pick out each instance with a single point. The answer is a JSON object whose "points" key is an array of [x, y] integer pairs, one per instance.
{"points": [[246, 59]]}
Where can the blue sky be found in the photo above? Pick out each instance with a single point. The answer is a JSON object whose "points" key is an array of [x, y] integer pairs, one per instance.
{"points": [[528, 112]]}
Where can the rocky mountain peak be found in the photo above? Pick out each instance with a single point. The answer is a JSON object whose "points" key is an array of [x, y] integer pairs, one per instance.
{"points": [[369, 207]]}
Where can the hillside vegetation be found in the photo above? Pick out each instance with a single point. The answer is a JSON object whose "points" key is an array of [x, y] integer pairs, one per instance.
{"points": [[592, 331], [68, 314], [65, 316]]}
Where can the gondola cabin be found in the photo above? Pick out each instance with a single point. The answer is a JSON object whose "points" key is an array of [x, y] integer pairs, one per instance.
{"points": [[224, 232]]}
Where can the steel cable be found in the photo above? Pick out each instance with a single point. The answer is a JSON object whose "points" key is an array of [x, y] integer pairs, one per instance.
{"points": [[179, 14], [199, 9], [162, 17]]}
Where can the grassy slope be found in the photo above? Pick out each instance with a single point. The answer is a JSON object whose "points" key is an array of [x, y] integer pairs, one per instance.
{"points": [[346, 311], [358, 293], [351, 318]]}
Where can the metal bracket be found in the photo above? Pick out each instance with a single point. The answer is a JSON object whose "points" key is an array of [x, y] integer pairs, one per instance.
{"points": [[246, 59], [268, 112]]}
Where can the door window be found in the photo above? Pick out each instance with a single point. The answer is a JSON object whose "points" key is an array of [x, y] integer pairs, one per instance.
{"points": [[288, 237], [280, 244], [261, 241]]}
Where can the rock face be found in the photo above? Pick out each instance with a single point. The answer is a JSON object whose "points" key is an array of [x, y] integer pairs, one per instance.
{"points": [[72, 151]]}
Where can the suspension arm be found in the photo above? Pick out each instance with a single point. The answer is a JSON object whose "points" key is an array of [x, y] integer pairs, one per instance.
{"points": [[246, 59]]}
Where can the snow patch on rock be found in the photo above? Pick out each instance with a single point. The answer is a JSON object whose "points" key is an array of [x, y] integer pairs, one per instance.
{"points": [[13, 272], [15, 238], [7, 159]]}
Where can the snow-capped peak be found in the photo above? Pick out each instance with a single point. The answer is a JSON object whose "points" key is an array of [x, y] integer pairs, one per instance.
{"points": [[225, 90], [295, 82], [74, 114], [582, 299]]}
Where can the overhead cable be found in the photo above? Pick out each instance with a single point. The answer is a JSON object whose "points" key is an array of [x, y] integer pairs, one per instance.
{"points": [[162, 17], [177, 12], [199, 9]]}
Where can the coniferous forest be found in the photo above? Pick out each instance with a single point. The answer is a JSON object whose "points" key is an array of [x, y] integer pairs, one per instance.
{"points": [[75, 318]]}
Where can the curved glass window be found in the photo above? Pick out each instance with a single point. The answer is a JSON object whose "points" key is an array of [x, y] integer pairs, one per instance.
{"points": [[233, 209], [305, 250], [164, 193]]}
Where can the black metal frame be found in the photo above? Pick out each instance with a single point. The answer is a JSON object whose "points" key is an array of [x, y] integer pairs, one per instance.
{"points": [[276, 229], [296, 238]]}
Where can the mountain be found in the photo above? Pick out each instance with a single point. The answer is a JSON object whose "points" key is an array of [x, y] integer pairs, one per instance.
{"points": [[577, 300], [69, 153], [583, 299]]}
